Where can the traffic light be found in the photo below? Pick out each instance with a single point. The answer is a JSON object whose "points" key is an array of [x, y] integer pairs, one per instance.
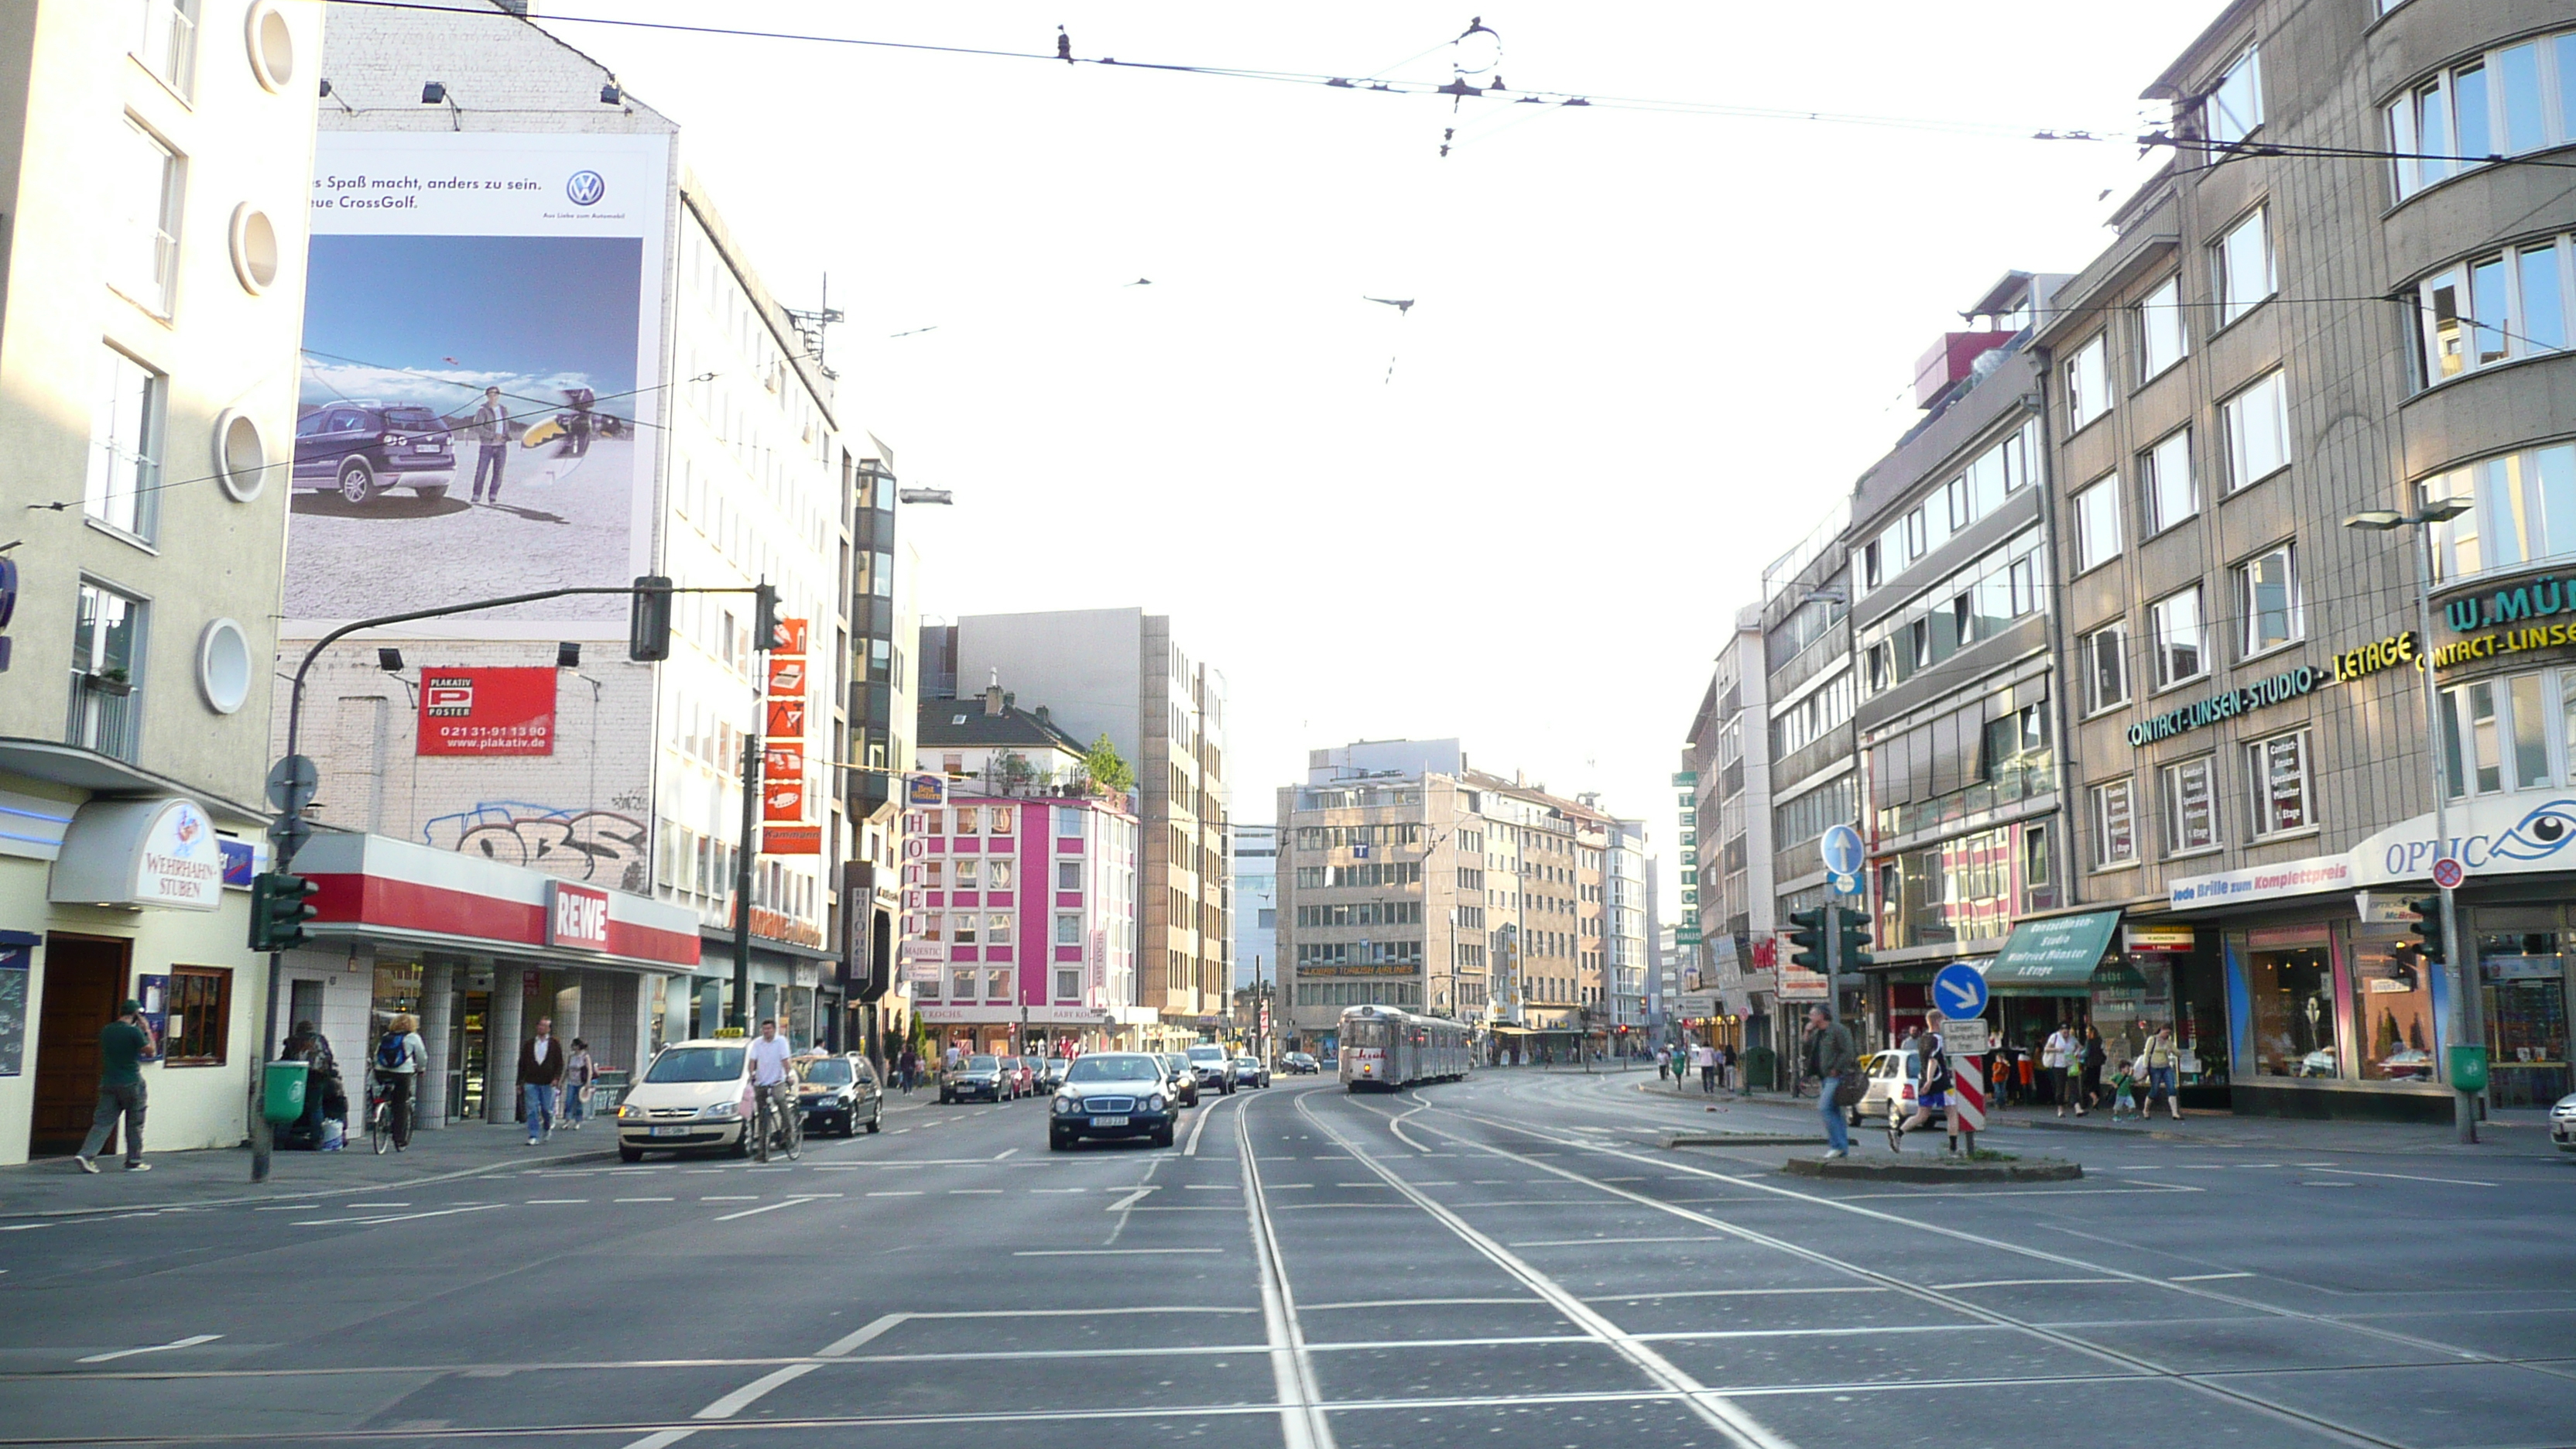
{"points": [[1852, 938], [1809, 937], [648, 620], [765, 628], [2430, 908], [278, 910]]}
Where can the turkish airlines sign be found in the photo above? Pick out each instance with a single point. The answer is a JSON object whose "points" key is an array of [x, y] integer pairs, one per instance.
{"points": [[576, 916]]}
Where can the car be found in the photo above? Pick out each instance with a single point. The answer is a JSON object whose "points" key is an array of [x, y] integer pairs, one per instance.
{"points": [[1185, 1082], [1208, 1061], [1895, 1080], [361, 450], [2562, 1123], [975, 1077], [690, 1099], [840, 1095], [1024, 1075], [1051, 1075], [1249, 1072], [1112, 1095], [1300, 1064]]}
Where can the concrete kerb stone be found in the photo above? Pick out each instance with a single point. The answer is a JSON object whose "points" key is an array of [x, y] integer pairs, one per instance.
{"points": [[1857, 1169], [1744, 1139], [313, 1190]]}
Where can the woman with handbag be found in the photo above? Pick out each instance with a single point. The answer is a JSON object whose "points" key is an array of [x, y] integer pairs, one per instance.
{"points": [[2091, 1056], [2162, 1058], [2052, 1059]]}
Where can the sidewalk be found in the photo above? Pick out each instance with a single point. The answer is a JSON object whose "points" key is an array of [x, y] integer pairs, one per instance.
{"points": [[2512, 1131]]}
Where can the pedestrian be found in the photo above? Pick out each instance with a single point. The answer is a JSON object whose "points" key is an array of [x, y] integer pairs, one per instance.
{"points": [[1836, 1066], [2162, 1059], [2091, 1055], [1704, 1057], [2124, 1083], [1663, 1064], [400, 1058], [491, 434], [907, 1067], [541, 1068], [2053, 1058], [322, 1084], [955, 1055], [123, 1046], [579, 1072], [1933, 1096]]}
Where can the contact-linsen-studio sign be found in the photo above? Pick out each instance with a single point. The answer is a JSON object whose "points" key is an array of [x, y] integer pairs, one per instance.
{"points": [[2280, 688]]}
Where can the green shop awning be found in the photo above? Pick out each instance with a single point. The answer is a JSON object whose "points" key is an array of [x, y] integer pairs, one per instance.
{"points": [[2054, 957]]}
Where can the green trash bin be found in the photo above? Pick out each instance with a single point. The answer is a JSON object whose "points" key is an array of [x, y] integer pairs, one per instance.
{"points": [[281, 1096], [1760, 1063], [2469, 1068]]}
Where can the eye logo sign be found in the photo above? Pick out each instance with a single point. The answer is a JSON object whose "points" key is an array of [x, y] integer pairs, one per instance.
{"points": [[586, 188], [2539, 835]]}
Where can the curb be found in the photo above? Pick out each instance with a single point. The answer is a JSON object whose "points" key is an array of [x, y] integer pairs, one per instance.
{"points": [[1856, 1170], [319, 1190]]}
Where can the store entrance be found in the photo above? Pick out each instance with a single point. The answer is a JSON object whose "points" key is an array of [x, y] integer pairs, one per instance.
{"points": [[84, 981], [468, 1054], [2522, 981]]}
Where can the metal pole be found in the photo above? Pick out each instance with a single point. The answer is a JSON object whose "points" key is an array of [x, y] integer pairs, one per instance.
{"points": [[2466, 1028], [739, 1014]]}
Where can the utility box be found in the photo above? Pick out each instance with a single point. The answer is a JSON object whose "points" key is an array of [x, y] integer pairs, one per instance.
{"points": [[2469, 1068], [281, 1093]]}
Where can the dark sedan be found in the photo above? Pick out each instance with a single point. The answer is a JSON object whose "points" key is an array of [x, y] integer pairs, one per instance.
{"points": [[1111, 1095], [1185, 1083], [840, 1094], [979, 1078]]}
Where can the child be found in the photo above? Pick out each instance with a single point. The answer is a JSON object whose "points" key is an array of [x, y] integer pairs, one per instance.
{"points": [[2126, 1082]]}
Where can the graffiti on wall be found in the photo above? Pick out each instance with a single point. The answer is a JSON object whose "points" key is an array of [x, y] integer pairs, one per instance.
{"points": [[597, 846]]}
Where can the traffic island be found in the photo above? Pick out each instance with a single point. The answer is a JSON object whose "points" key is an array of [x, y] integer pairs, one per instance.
{"points": [[1985, 1167]]}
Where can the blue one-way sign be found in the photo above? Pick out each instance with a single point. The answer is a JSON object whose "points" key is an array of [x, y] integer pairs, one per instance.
{"points": [[1959, 991]]}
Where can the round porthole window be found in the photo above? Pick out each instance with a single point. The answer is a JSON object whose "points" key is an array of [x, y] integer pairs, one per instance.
{"points": [[241, 456], [272, 46], [223, 666], [254, 239]]}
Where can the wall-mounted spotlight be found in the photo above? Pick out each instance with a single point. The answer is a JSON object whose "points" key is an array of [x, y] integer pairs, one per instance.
{"points": [[567, 655], [389, 660]]}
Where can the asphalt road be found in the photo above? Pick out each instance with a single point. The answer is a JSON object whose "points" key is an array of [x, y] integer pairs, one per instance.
{"points": [[1514, 1260]]}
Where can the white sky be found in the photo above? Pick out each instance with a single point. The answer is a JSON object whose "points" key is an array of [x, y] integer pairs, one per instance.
{"points": [[1648, 350]]}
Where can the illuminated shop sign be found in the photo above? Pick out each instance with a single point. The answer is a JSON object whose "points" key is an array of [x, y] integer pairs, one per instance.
{"points": [[2278, 689], [2538, 599], [2501, 642], [2393, 652]]}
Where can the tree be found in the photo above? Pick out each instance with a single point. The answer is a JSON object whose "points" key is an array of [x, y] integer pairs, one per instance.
{"points": [[1106, 769], [1010, 770]]}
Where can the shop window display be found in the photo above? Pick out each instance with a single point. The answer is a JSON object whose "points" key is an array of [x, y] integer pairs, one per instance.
{"points": [[2392, 1006], [2294, 1010], [2523, 980]]}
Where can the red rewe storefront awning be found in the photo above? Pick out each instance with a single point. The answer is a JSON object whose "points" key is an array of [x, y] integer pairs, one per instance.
{"points": [[377, 887]]}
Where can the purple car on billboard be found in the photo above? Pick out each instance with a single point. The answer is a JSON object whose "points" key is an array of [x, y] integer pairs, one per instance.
{"points": [[362, 449]]}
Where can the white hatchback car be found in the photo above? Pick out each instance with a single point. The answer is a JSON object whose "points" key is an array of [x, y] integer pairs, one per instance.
{"points": [[689, 1099], [1895, 1080], [2562, 1123]]}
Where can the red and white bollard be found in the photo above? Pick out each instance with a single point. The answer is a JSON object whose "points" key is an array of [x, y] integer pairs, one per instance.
{"points": [[1967, 1101]]}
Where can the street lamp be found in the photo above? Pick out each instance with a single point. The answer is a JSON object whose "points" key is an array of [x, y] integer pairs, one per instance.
{"points": [[2466, 1027]]}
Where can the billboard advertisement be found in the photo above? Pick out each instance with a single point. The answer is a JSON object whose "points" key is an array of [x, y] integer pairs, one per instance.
{"points": [[486, 712], [480, 388]]}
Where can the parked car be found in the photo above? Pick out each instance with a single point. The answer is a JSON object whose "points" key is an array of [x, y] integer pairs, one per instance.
{"points": [[690, 1098], [840, 1095], [1300, 1064], [1026, 1070], [975, 1077], [1895, 1082], [362, 449], [1051, 1075], [1249, 1072], [1111, 1095], [1209, 1061], [2562, 1123], [1185, 1082]]}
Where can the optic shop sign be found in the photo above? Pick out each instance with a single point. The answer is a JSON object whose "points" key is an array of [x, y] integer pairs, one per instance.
{"points": [[2279, 689]]}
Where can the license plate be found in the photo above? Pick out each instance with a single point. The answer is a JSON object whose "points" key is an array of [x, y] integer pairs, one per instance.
{"points": [[424, 447], [1108, 1121], [670, 1131]]}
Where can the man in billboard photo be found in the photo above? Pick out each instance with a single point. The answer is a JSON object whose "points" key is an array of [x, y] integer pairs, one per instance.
{"points": [[491, 431]]}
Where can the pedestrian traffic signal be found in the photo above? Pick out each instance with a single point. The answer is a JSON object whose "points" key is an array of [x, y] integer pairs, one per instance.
{"points": [[1808, 936], [278, 910], [648, 620], [2430, 908], [1851, 933], [767, 632]]}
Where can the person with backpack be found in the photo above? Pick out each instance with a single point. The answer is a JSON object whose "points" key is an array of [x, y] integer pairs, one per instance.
{"points": [[1934, 1096], [401, 1056]]}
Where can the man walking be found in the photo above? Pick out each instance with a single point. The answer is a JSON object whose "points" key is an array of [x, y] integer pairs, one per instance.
{"points": [[541, 1066], [1831, 1056], [122, 1047], [491, 430]]}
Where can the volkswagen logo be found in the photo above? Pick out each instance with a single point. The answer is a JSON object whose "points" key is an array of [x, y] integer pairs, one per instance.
{"points": [[585, 188]]}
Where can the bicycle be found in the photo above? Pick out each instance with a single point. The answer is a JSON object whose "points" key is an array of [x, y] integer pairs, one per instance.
{"points": [[788, 1135], [380, 1114]]}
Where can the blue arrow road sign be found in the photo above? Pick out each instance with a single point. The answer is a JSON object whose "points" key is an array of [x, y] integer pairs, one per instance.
{"points": [[1959, 990], [1842, 850]]}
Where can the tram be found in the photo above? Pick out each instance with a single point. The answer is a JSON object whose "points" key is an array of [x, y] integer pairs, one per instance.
{"points": [[1384, 1049]]}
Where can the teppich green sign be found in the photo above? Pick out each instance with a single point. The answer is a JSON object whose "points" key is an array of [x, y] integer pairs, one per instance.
{"points": [[2058, 952]]}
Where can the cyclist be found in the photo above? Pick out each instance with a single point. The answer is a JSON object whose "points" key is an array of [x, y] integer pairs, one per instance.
{"points": [[400, 1059], [773, 1089]]}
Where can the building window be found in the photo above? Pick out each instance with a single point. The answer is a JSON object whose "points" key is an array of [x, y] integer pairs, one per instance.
{"points": [[2105, 662], [997, 875], [107, 672], [1068, 983], [2162, 338], [2115, 824], [201, 1011], [2496, 103], [2494, 309], [2097, 524], [963, 926], [1068, 875], [1981, 600], [1068, 929], [2165, 482], [997, 928], [166, 39], [2277, 769], [2088, 382], [147, 190], [997, 985], [2258, 431], [2242, 269], [123, 489], [2234, 108], [2174, 625], [2495, 733], [2522, 509], [961, 986], [1005, 820], [970, 874], [1068, 822], [2191, 805], [2267, 599]]}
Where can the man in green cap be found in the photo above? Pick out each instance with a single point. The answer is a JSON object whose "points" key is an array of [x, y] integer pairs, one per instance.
{"points": [[122, 1046]]}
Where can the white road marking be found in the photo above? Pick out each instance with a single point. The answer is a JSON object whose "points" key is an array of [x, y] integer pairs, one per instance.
{"points": [[398, 1217], [31, 1227], [771, 1208], [2020, 1283], [1130, 1200], [914, 1192], [750, 1393], [998, 1156], [2208, 1277], [974, 1192], [1302, 1424], [2406, 1177], [359, 1206], [1595, 1242], [1106, 1252], [643, 1199], [191, 1341], [557, 1201]]}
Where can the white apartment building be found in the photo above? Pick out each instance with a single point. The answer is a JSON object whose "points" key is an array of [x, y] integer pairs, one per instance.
{"points": [[153, 166]]}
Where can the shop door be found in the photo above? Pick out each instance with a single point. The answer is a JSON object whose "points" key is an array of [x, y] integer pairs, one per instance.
{"points": [[84, 981], [467, 1051], [2523, 980]]}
